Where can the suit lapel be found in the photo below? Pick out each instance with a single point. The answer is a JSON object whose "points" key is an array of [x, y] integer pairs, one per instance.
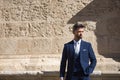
{"points": [[72, 48]]}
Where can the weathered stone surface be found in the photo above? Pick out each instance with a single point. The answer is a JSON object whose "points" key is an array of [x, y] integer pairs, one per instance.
{"points": [[33, 12], [103, 44], [41, 46], [36, 75], [58, 44], [15, 29], [114, 45], [30, 30], [30, 63], [40, 29], [7, 46], [23, 46], [1, 30], [15, 13]]}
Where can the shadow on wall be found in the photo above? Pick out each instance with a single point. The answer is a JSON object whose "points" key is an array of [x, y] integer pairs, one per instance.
{"points": [[106, 14]]}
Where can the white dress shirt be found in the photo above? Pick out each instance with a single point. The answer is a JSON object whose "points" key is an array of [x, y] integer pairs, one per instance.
{"points": [[77, 46]]}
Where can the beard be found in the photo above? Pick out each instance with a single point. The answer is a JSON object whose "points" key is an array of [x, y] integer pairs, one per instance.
{"points": [[79, 36]]}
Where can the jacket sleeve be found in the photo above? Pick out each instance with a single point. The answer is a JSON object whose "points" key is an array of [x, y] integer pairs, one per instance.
{"points": [[63, 62], [93, 60]]}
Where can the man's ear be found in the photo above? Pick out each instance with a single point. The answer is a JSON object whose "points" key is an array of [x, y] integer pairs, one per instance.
{"points": [[73, 32]]}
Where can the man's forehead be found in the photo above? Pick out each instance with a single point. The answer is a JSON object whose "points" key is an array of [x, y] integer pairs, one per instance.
{"points": [[80, 29]]}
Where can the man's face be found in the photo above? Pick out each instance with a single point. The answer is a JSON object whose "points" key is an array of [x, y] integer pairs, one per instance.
{"points": [[79, 33]]}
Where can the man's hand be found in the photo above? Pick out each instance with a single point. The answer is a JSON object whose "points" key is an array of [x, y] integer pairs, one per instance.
{"points": [[61, 78]]}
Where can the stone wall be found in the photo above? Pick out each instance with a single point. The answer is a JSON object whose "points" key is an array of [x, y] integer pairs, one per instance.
{"points": [[53, 75], [33, 32]]}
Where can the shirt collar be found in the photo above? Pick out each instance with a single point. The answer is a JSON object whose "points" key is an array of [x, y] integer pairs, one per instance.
{"points": [[79, 41]]}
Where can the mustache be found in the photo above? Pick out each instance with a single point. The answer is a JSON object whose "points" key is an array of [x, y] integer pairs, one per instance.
{"points": [[79, 36]]}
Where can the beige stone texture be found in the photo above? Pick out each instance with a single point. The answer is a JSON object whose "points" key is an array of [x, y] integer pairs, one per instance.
{"points": [[33, 33]]}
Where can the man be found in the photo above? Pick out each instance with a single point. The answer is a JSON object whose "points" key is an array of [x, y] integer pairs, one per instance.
{"points": [[77, 53]]}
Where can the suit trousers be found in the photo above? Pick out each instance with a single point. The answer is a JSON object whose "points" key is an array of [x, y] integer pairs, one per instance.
{"points": [[80, 76]]}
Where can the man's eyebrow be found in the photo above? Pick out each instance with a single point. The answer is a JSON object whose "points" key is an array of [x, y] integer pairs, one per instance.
{"points": [[81, 31]]}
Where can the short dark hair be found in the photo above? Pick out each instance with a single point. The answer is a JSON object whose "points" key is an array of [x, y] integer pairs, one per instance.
{"points": [[77, 25]]}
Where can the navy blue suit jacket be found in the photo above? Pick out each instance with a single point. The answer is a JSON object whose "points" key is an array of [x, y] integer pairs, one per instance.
{"points": [[86, 55]]}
